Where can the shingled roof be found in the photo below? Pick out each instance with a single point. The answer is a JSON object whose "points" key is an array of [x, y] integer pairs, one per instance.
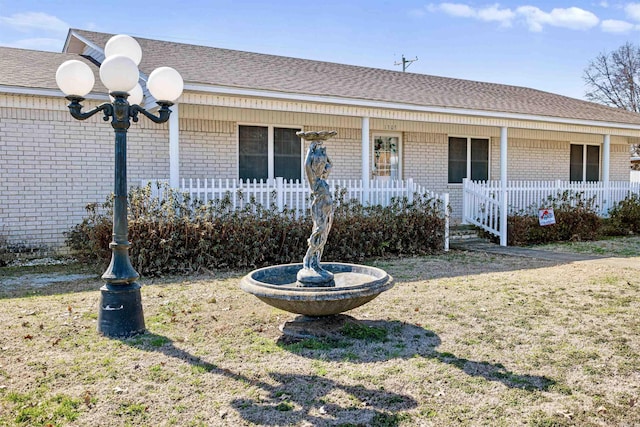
{"points": [[237, 69], [34, 69], [245, 70]]}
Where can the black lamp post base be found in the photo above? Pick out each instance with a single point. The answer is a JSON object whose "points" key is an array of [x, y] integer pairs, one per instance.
{"points": [[120, 312]]}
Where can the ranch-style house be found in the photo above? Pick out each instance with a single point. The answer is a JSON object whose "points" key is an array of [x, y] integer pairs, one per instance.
{"points": [[487, 146]]}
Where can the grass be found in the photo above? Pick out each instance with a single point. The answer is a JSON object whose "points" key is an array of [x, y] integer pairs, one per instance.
{"points": [[363, 332], [621, 247], [463, 339]]}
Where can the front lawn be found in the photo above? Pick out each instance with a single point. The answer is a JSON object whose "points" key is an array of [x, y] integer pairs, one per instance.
{"points": [[462, 339]]}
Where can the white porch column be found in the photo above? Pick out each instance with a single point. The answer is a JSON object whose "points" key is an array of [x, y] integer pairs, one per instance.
{"points": [[174, 147], [503, 184], [606, 160], [365, 161]]}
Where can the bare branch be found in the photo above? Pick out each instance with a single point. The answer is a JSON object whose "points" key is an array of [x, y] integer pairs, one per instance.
{"points": [[613, 78]]}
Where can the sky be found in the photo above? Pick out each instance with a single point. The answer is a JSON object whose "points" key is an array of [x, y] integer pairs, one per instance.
{"points": [[544, 45]]}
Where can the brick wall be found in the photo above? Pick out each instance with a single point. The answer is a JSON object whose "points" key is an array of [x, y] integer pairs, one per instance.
{"points": [[208, 149], [344, 151], [54, 165], [532, 160], [425, 160], [620, 163]]}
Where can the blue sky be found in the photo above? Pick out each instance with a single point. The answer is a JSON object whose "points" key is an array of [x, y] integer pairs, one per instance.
{"points": [[544, 45]]}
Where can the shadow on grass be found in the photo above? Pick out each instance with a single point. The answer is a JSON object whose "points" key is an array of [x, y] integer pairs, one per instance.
{"points": [[292, 398], [366, 341]]}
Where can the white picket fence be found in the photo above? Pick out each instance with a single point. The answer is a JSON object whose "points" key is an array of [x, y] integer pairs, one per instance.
{"points": [[482, 199], [295, 195]]}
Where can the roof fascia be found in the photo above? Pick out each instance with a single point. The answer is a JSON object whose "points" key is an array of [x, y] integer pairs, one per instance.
{"points": [[84, 40], [66, 41], [45, 92], [225, 90]]}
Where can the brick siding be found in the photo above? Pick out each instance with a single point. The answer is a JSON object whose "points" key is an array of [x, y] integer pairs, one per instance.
{"points": [[53, 165]]}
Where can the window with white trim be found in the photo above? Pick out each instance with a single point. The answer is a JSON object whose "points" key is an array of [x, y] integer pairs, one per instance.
{"points": [[266, 152], [584, 162], [468, 157], [386, 157]]}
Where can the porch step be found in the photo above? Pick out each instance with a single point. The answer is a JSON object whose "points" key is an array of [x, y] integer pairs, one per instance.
{"points": [[463, 232], [463, 236]]}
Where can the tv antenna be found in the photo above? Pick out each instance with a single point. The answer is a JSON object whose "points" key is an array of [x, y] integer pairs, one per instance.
{"points": [[406, 62]]}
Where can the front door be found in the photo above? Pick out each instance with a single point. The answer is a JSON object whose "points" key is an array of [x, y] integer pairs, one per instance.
{"points": [[386, 157]]}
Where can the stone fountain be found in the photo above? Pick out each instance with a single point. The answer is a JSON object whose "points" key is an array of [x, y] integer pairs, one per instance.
{"points": [[314, 289]]}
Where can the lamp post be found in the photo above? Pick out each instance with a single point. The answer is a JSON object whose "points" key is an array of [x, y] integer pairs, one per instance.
{"points": [[120, 312]]}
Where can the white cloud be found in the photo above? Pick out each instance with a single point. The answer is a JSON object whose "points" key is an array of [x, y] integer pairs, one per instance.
{"points": [[633, 11], [572, 18], [49, 44], [488, 14], [456, 9], [615, 26], [536, 19], [604, 4], [494, 13], [34, 21]]}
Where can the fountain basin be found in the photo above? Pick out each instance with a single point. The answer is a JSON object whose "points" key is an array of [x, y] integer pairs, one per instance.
{"points": [[352, 286]]}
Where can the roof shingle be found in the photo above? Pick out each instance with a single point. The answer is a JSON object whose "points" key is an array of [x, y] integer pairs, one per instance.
{"points": [[246, 70], [224, 67]]}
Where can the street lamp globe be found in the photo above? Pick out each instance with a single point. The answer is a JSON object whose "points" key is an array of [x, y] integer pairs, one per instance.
{"points": [[119, 73], [135, 95], [165, 84], [123, 45], [75, 78]]}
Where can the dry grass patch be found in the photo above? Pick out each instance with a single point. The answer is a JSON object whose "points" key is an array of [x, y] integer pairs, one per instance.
{"points": [[462, 339]]}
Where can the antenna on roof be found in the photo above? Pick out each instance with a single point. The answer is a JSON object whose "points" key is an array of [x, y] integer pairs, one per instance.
{"points": [[405, 63]]}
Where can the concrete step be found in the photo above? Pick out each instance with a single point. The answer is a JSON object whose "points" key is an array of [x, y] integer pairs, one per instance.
{"points": [[463, 232]]}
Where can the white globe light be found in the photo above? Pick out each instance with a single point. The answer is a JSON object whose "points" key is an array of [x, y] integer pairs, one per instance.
{"points": [[119, 73], [165, 84], [135, 95], [75, 78], [123, 45]]}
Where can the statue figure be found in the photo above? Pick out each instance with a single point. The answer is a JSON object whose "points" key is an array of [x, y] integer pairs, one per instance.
{"points": [[317, 167]]}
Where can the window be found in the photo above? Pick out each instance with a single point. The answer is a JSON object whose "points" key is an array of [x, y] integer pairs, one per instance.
{"points": [[468, 157], [286, 153], [268, 152], [386, 158], [584, 162], [253, 162]]}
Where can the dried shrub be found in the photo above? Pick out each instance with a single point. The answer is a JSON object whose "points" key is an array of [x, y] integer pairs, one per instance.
{"points": [[403, 228], [576, 219], [174, 234], [18, 251], [4, 250], [624, 217]]}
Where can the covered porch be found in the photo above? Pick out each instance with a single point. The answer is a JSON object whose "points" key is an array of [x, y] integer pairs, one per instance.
{"points": [[485, 201], [434, 149]]}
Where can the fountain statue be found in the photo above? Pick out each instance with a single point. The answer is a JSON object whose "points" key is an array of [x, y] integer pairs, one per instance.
{"points": [[311, 288], [317, 167]]}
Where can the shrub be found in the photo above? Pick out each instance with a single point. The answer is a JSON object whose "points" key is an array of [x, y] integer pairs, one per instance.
{"points": [[3, 250], [15, 251], [177, 235], [624, 217], [576, 219]]}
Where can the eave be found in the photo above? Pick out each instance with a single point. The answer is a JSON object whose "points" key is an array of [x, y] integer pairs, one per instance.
{"points": [[400, 111]]}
